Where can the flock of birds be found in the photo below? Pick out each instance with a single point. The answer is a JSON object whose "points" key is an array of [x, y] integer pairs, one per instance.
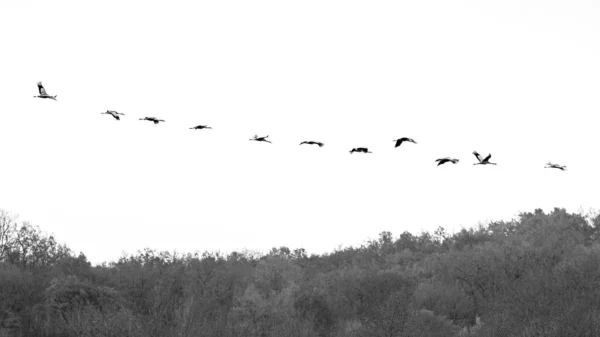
{"points": [[480, 159]]}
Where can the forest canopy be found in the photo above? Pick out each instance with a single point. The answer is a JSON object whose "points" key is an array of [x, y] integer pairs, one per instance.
{"points": [[536, 275]]}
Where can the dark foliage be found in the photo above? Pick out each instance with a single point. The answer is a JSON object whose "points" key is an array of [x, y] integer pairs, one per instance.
{"points": [[538, 275]]}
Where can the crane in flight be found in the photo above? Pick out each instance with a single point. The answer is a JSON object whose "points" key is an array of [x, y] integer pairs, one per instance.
{"points": [[200, 127], [399, 141], [442, 161], [43, 93], [311, 142], [483, 161], [152, 119], [556, 166], [113, 113], [360, 149], [261, 139]]}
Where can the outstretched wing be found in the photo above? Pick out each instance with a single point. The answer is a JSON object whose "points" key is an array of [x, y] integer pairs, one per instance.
{"points": [[477, 156], [488, 157], [41, 89]]}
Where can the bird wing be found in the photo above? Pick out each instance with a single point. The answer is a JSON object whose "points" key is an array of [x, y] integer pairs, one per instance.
{"points": [[41, 89], [399, 142], [477, 156], [488, 157]]}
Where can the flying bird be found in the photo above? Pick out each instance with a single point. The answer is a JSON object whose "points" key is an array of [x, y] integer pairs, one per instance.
{"points": [[556, 166], [360, 149], [403, 139], [261, 139], [200, 127], [442, 161], [113, 113], [484, 161], [43, 93], [310, 142], [152, 119]]}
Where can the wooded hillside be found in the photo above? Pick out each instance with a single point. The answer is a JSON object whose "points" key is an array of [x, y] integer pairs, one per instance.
{"points": [[538, 275]]}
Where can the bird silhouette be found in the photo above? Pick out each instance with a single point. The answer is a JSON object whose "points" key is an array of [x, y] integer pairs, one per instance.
{"points": [[260, 139], [360, 149], [399, 141], [484, 161], [442, 161], [43, 93], [310, 142], [556, 166], [113, 113], [152, 119], [200, 127]]}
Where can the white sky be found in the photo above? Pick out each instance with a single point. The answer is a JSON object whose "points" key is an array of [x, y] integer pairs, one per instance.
{"points": [[516, 78]]}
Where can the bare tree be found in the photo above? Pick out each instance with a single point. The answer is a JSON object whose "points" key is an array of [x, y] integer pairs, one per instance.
{"points": [[8, 233]]}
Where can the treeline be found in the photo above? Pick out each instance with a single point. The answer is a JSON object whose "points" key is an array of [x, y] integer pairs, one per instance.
{"points": [[538, 275]]}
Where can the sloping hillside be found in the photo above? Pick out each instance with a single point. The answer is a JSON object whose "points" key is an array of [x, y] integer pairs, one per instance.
{"points": [[538, 275]]}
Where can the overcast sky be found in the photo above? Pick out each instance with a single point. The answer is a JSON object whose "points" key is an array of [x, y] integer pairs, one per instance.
{"points": [[515, 78]]}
